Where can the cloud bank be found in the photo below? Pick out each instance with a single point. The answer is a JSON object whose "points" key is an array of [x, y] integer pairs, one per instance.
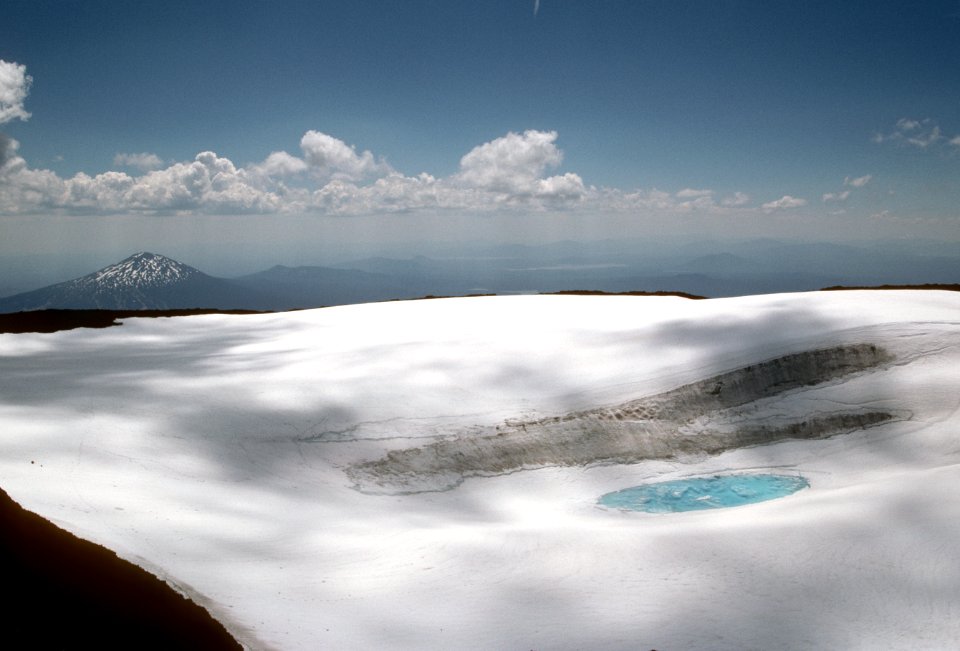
{"points": [[785, 202], [14, 87], [513, 172], [921, 134], [143, 162]]}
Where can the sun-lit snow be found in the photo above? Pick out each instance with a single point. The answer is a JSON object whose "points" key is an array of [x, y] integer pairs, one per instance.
{"points": [[217, 451]]}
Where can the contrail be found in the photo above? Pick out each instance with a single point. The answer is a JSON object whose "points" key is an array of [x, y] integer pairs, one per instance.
{"points": [[536, 7]]}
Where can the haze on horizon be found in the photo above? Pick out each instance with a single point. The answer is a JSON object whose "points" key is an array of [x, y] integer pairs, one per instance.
{"points": [[237, 135]]}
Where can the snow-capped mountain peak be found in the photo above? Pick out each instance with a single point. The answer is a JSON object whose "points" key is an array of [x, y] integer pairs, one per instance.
{"points": [[141, 270], [144, 281]]}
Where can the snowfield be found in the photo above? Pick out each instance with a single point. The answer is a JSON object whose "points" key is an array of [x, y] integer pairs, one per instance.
{"points": [[391, 476]]}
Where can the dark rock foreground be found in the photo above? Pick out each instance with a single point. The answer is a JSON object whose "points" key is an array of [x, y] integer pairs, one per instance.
{"points": [[67, 593]]}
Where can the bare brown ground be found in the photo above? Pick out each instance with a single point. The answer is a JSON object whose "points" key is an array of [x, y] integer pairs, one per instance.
{"points": [[63, 592], [598, 292], [56, 320], [946, 287]]}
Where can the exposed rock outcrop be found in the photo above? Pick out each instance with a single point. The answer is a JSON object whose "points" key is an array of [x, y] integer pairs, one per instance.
{"points": [[700, 418]]}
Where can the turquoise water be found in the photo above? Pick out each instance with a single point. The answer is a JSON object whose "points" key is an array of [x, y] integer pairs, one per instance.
{"points": [[699, 493]]}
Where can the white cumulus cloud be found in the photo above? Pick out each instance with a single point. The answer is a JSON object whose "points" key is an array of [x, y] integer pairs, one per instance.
{"points": [[836, 196], [924, 140], [512, 163], [329, 156], [563, 187], [690, 193], [14, 87], [859, 181], [848, 182], [511, 173], [143, 161], [915, 133], [279, 164], [784, 203], [209, 183], [8, 151], [514, 172], [737, 199]]}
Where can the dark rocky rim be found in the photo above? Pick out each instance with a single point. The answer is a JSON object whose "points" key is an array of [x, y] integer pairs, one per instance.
{"points": [[69, 593]]}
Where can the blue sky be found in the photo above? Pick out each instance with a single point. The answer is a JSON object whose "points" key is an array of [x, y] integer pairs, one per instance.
{"points": [[450, 120]]}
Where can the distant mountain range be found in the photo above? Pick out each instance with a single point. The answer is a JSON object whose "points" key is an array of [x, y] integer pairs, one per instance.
{"points": [[297, 287], [147, 281], [144, 281]]}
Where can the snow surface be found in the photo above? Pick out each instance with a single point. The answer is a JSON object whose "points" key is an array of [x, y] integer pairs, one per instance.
{"points": [[212, 450]]}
